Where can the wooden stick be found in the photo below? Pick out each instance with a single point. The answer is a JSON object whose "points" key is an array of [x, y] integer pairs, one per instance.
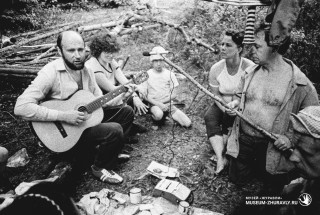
{"points": [[18, 66], [15, 60], [99, 26], [218, 99], [23, 71], [179, 28], [21, 53], [42, 36], [130, 30], [41, 30], [120, 26], [200, 43], [37, 46], [186, 36], [17, 75], [44, 54]]}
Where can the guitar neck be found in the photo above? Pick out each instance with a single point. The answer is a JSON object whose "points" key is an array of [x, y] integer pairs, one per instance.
{"points": [[99, 102]]}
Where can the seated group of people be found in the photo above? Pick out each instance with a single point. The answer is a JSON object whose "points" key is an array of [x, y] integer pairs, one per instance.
{"points": [[270, 91], [99, 74]]}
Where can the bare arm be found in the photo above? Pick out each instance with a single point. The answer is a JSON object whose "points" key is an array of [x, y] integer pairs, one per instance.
{"points": [[214, 84], [103, 82]]}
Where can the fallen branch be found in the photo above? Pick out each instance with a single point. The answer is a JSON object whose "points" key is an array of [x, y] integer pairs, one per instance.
{"points": [[23, 71], [200, 43], [99, 26], [41, 30], [37, 46], [21, 53], [186, 36], [42, 36], [17, 60], [120, 26], [17, 75], [140, 28], [181, 29], [44, 54], [218, 99]]}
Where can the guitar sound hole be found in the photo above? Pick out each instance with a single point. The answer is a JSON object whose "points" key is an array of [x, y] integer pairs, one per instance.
{"points": [[82, 109]]}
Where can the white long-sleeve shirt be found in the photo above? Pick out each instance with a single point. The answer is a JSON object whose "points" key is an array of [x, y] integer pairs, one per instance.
{"points": [[53, 82]]}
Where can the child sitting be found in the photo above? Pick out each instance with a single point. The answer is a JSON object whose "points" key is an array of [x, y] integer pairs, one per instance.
{"points": [[158, 91]]}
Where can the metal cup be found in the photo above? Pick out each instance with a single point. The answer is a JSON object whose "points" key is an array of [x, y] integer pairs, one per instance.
{"points": [[184, 208], [135, 195]]}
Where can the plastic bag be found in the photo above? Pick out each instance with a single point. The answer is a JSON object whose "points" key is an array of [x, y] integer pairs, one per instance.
{"points": [[20, 158]]}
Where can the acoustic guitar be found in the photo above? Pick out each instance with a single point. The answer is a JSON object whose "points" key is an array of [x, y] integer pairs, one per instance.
{"points": [[60, 136]]}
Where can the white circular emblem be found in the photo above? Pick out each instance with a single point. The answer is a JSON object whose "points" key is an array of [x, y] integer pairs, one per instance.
{"points": [[305, 199]]}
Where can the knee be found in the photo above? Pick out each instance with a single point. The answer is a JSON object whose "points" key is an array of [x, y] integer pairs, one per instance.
{"points": [[115, 129], [157, 114], [128, 111], [3, 155]]}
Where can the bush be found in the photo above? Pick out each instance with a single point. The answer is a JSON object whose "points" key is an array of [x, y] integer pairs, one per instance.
{"points": [[113, 3], [305, 49]]}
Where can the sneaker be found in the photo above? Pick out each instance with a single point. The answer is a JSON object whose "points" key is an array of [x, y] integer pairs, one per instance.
{"points": [[107, 176], [123, 157]]}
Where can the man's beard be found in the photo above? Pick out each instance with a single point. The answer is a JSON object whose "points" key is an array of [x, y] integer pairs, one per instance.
{"points": [[71, 65]]}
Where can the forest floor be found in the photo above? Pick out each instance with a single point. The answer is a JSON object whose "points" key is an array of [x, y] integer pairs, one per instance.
{"points": [[185, 149]]}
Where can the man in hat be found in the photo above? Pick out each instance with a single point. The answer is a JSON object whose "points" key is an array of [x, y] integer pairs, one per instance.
{"points": [[268, 93], [158, 91], [306, 158]]}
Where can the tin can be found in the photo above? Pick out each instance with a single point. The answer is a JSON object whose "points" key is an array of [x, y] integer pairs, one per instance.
{"points": [[135, 195]]}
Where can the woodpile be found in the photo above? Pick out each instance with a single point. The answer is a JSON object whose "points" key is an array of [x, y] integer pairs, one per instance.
{"points": [[26, 56]]}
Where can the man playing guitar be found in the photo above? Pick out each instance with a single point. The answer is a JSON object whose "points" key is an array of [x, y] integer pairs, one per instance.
{"points": [[61, 79]]}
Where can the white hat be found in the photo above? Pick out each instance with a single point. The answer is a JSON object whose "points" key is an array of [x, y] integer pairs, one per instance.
{"points": [[307, 121], [157, 49]]}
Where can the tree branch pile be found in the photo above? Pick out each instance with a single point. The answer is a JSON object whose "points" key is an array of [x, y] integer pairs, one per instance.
{"points": [[17, 58]]}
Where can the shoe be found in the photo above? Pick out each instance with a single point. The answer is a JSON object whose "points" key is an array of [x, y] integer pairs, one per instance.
{"points": [[123, 157], [107, 176], [137, 128], [133, 140]]}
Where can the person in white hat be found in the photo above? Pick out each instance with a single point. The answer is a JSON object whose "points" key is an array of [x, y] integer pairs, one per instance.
{"points": [[306, 141], [159, 91]]}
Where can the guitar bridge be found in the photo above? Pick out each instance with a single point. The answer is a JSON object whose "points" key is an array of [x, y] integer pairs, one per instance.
{"points": [[61, 129]]}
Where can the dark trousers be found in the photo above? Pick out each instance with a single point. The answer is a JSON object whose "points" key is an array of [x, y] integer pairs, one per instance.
{"points": [[251, 163], [217, 122], [106, 139]]}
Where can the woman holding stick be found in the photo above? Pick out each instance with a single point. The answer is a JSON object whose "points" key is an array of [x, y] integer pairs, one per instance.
{"points": [[224, 78]]}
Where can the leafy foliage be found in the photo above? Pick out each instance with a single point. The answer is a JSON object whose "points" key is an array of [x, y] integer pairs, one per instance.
{"points": [[305, 49], [113, 3]]}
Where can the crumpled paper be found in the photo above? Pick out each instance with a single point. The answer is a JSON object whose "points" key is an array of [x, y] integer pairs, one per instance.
{"points": [[20, 158], [95, 203]]}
